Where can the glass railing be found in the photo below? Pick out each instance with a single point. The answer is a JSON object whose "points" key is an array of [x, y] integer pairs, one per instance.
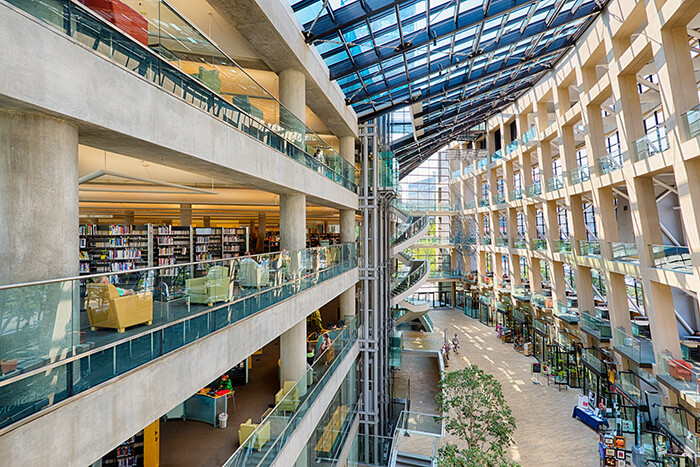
{"points": [[589, 248], [598, 327], [691, 123], [533, 190], [555, 183], [626, 252], [529, 135], [469, 204], [497, 156], [484, 202], [469, 169], [435, 241], [502, 241], [562, 246], [519, 243], [592, 358], [610, 162], [540, 326], [518, 315], [445, 274], [456, 174], [681, 374], [66, 336], [674, 258], [166, 50], [539, 244], [638, 349], [516, 194], [279, 425], [681, 424], [628, 383], [482, 163], [413, 226], [485, 240], [580, 174], [566, 313], [500, 198], [401, 284], [654, 142], [512, 146], [521, 293], [541, 300]]}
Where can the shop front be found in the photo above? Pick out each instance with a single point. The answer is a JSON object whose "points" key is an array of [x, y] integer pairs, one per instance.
{"points": [[540, 339], [522, 328], [486, 310]]}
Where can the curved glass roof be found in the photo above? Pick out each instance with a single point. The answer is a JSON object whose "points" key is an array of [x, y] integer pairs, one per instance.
{"points": [[455, 62]]}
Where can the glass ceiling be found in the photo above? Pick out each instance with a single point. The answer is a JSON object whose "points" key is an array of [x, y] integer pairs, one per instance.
{"points": [[456, 62]]}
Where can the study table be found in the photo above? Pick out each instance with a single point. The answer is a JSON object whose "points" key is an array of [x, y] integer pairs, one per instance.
{"points": [[204, 406]]}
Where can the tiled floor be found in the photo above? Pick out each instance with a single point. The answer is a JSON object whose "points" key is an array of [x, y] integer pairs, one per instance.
{"points": [[546, 433]]}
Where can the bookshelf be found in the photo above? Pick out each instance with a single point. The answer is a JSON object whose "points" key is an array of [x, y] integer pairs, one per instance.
{"points": [[127, 454], [322, 239], [272, 241], [114, 248], [173, 245], [234, 241], [207, 244]]}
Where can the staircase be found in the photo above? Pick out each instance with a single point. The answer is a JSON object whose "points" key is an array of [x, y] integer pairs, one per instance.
{"points": [[415, 229], [406, 285], [410, 309], [407, 459]]}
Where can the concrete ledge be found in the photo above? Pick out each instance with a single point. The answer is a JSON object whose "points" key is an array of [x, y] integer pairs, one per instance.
{"points": [[298, 440], [86, 427], [117, 110]]}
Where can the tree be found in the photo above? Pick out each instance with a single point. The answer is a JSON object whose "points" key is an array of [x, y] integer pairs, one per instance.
{"points": [[474, 409]]}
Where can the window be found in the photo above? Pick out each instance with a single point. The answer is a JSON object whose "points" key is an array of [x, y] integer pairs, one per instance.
{"points": [[539, 222], [502, 226], [582, 157], [589, 222], [598, 284], [556, 166], [513, 131], [520, 224], [517, 181], [562, 218]]}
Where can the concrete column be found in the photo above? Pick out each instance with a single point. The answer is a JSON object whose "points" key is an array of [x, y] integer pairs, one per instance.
{"points": [[292, 222], [186, 214], [38, 198], [293, 354], [293, 237], [262, 225], [292, 87], [129, 217], [39, 233]]}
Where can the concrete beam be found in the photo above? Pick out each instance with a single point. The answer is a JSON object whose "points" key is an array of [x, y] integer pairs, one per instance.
{"points": [[96, 421], [275, 33], [119, 111]]}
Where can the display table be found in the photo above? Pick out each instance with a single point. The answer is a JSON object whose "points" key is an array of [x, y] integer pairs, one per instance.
{"points": [[587, 417], [202, 407]]}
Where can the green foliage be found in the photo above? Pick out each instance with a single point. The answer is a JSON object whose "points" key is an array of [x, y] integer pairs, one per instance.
{"points": [[475, 410], [313, 322]]}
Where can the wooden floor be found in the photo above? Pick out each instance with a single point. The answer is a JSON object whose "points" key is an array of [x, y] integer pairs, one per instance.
{"points": [[546, 433]]}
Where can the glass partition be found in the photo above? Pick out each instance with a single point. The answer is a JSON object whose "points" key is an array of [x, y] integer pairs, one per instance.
{"points": [[691, 123], [674, 258], [598, 327], [539, 244], [680, 374], [529, 135], [65, 336], [562, 246], [610, 163], [519, 243], [626, 252], [589, 248], [654, 142], [533, 190], [638, 349], [279, 425], [555, 183], [154, 41], [512, 146], [516, 194], [580, 174]]}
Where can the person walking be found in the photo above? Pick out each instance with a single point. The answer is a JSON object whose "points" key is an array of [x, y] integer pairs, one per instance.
{"points": [[455, 343]]}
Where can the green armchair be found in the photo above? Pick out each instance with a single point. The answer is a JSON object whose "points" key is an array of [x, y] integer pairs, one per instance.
{"points": [[214, 287], [287, 398], [261, 437]]}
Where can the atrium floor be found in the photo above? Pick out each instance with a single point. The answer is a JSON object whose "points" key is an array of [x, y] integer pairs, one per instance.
{"points": [[192, 443], [546, 433]]}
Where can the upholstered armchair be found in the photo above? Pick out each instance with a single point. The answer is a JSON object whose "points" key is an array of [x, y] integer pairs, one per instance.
{"points": [[287, 398], [248, 428], [214, 287], [106, 309]]}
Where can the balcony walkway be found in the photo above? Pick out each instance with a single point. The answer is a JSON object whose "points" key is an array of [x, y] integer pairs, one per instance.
{"points": [[546, 433]]}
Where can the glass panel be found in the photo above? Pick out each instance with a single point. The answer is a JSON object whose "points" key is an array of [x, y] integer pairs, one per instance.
{"points": [[580, 174], [555, 183], [638, 349], [691, 122], [626, 252], [675, 258], [589, 248], [122, 320], [654, 142]]}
